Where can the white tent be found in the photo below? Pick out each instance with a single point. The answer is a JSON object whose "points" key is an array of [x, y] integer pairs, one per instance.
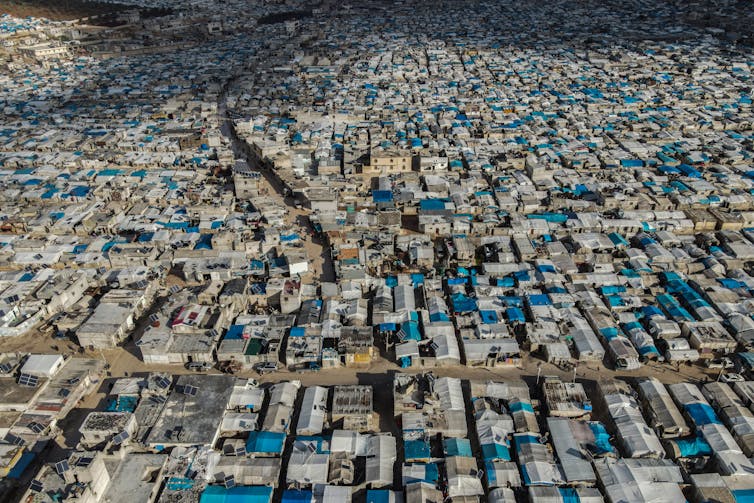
{"points": [[332, 494], [502, 495], [502, 474], [306, 467], [313, 411], [351, 442], [381, 456]]}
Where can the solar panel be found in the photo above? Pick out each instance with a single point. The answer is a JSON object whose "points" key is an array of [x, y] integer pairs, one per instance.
{"points": [[62, 466], [64, 392], [240, 451], [84, 462], [230, 482], [15, 440], [158, 399], [175, 289], [36, 486], [213, 333], [5, 368], [141, 284], [163, 382], [28, 380], [74, 380], [153, 317], [229, 450], [190, 390], [120, 438], [36, 427]]}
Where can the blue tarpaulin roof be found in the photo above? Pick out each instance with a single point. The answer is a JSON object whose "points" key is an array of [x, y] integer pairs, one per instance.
{"points": [[538, 300], [457, 447], [601, 438], [744, 495], [237, 494], [416, 449], [378, 496], [382, 196], [488, 317], [235, 332], [296, 496], [508, 281], [693, 447], [204, 242], [409, 331], [495, 451], [521, 406], [79, 191], [701, 414], [431, 204], [269, 442], [20, 467], [462, 303]]}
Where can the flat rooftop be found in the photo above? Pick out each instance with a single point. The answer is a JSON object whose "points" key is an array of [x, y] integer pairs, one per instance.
{"points": [[192, 419]]}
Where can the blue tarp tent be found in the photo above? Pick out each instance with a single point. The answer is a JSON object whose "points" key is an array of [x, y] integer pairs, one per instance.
{"points": [[21, 465], [538, 300], [409, 331], [744, 495], [462, 303], [416, 450], [495, 452], [380, 496], [488, 317], [693, 447], [204, 243], [237, 494], [457, 447], [601, 438], [431, 205], [521, 406], [701, 414], [507, 281], [265, 442], [235, 332], [382, 196], [515, 314], [296, 496]]}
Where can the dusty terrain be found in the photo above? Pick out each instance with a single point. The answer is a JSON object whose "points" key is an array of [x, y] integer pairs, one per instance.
{"points": [[58, 10]]}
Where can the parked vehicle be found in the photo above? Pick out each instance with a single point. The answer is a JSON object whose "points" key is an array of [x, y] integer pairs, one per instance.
{"points": [[730, 378], [198, 366], [720, 363], [266, 368]]}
